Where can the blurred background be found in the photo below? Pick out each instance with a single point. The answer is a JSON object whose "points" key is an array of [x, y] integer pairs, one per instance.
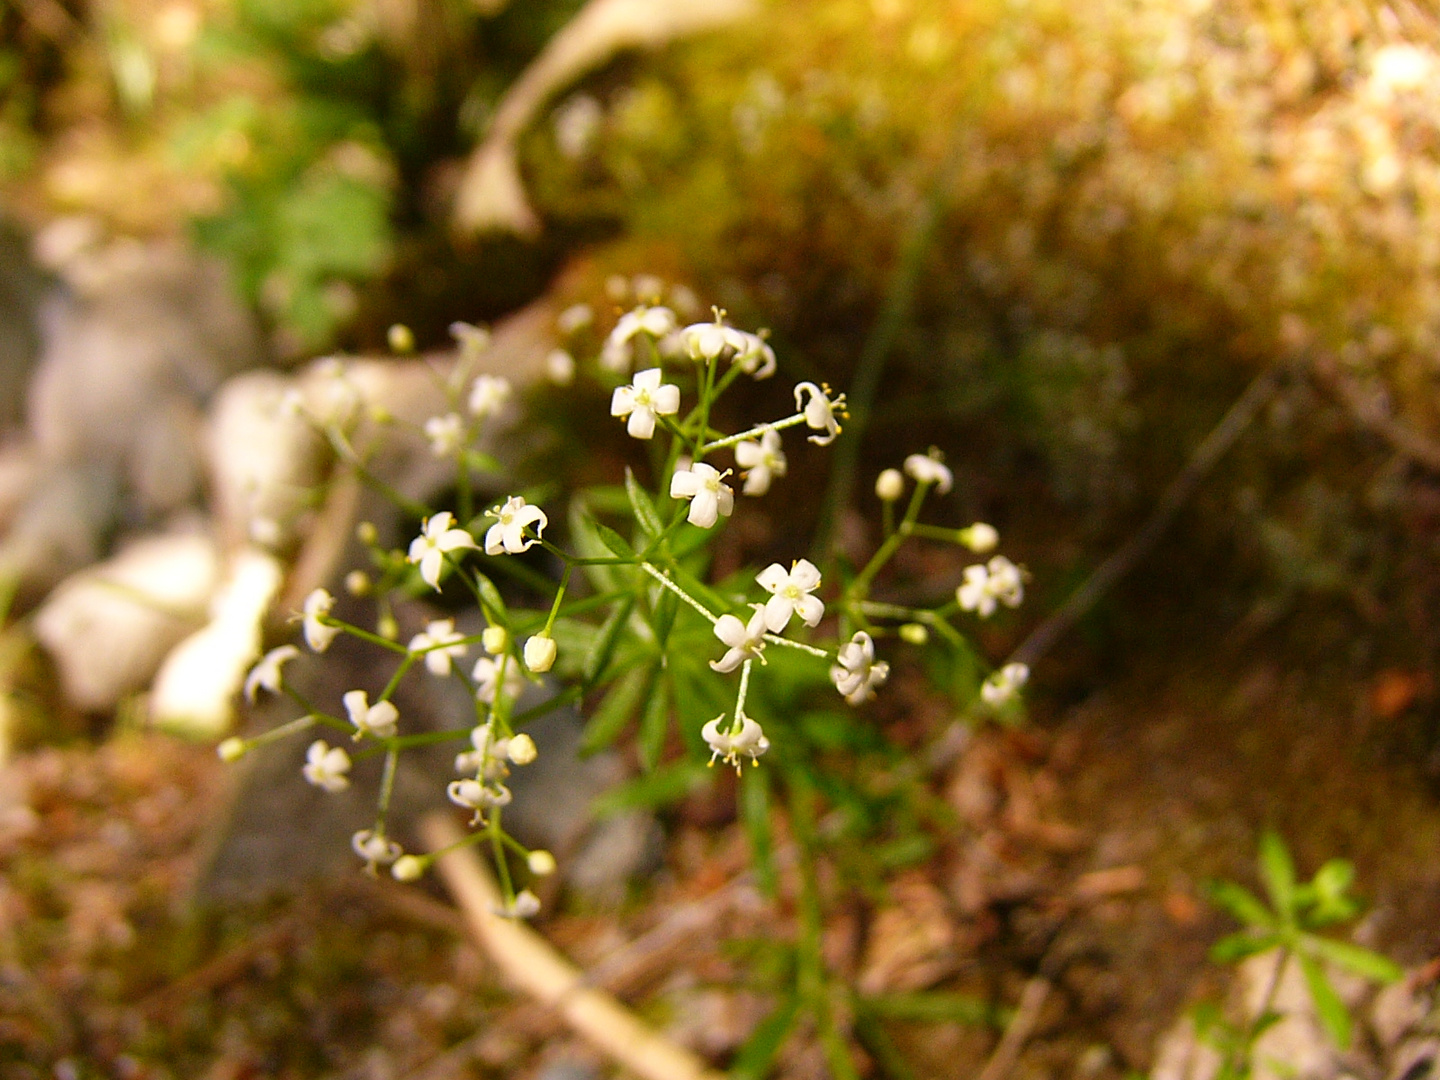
{"points": [[1058, 241]]}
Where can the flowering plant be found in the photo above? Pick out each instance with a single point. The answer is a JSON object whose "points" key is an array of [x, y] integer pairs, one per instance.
{"points": [[634, 625]]}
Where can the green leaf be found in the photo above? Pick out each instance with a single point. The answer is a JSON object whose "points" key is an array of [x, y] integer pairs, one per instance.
{"points": [[1328, 1005], [599, 655], [1236, 947], [755, 812], [490, 597], [1353, 958], [643, 508], [665, 785], [618, 545], [654, 719], [662, 618], [1239, 902], [754, 1060], [613, 712], [934, 1008], [1277, 871]]}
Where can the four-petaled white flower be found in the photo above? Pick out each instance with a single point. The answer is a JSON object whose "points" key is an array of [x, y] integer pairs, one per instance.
{"points": [[1000, 687], [746, 641], [617, 354], [266, 674], [326, 766], [763, 461], [858, 672], [489, 394], [790, 594], [508, 533], [709, 496], [998, 580], [486, 674], [319, 635], [375, 848], [730, 743], [574, 318], [930, 469], [643, 400], [377, 720], [820, 411], [477, 796], [704, 342], [436, 538], [440, 643], [446, 434]]}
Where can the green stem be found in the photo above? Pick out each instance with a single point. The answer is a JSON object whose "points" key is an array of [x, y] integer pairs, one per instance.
{"points": [[754, 433]]}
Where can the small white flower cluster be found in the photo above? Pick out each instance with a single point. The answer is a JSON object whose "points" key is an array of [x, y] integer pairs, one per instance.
{"points": [[742, 737], [490, 761], [857, 672], [985, 585]]}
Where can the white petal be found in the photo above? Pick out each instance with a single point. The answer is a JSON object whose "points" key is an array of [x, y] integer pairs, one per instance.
{"points": [[773, 578], [810, 609], [684, 485], [730, 630], [642, 423], [667, 399], [622, 402], [778, 610], [805, 575], [704, 509]]}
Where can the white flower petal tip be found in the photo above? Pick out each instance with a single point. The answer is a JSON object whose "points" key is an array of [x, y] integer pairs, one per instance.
{"points": [[745, 641], [378, 720], [761, 461], [1002, 687], [267, 674], [643, 400], [790, 594], [440, 644], [507, 535], [327, 767], [710, 497], [618, 352], [930, 469], [820, 410], [318, 633], [857, 672], [729, 743], [438, 537]]}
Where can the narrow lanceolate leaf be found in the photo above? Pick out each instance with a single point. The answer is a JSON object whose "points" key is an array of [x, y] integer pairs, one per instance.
{"points": [[643, 509], [654, 718], [618, 545], [1239, 902], [1278, 873], [755, 811], [614, 712], [1236, 947], [1353, 958], [599, 656], [1328, 1006], [756, 1056], [490, 596]]}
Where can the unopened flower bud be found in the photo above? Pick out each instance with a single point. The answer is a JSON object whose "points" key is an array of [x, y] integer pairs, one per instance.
{"points": [[494, 639], [407, 868], [890, 485], [387, 627], [357, 583], [232, 749], [915, 633], [367, 534], [521, 749], [401, 339], [541, 863], [980, 538], [540, 653]]}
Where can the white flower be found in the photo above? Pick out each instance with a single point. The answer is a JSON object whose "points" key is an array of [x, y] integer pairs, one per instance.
{"points": [[980, 537], [377, 720], [746, 641], [489, 394], [704, 342], [446, 434], [618, 352], [763, 461], [526, 905], [508, 532], [858, 672], [440, 642], [930, 469], [999, 580], [709, 497], [643, 400], [473, 340], [1001, 686], [477, 796], [559, 367], [889, 485], [486, 674], [574, 318], [319, 635], [375, 848], [790, 593], [729, 744], [820, 411], [326, 766], [266, 674], [540, 651], [436, 538]]}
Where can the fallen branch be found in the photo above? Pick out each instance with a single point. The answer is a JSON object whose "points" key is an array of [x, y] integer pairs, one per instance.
{"points": [[532, 965], [1027, 1014]]}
